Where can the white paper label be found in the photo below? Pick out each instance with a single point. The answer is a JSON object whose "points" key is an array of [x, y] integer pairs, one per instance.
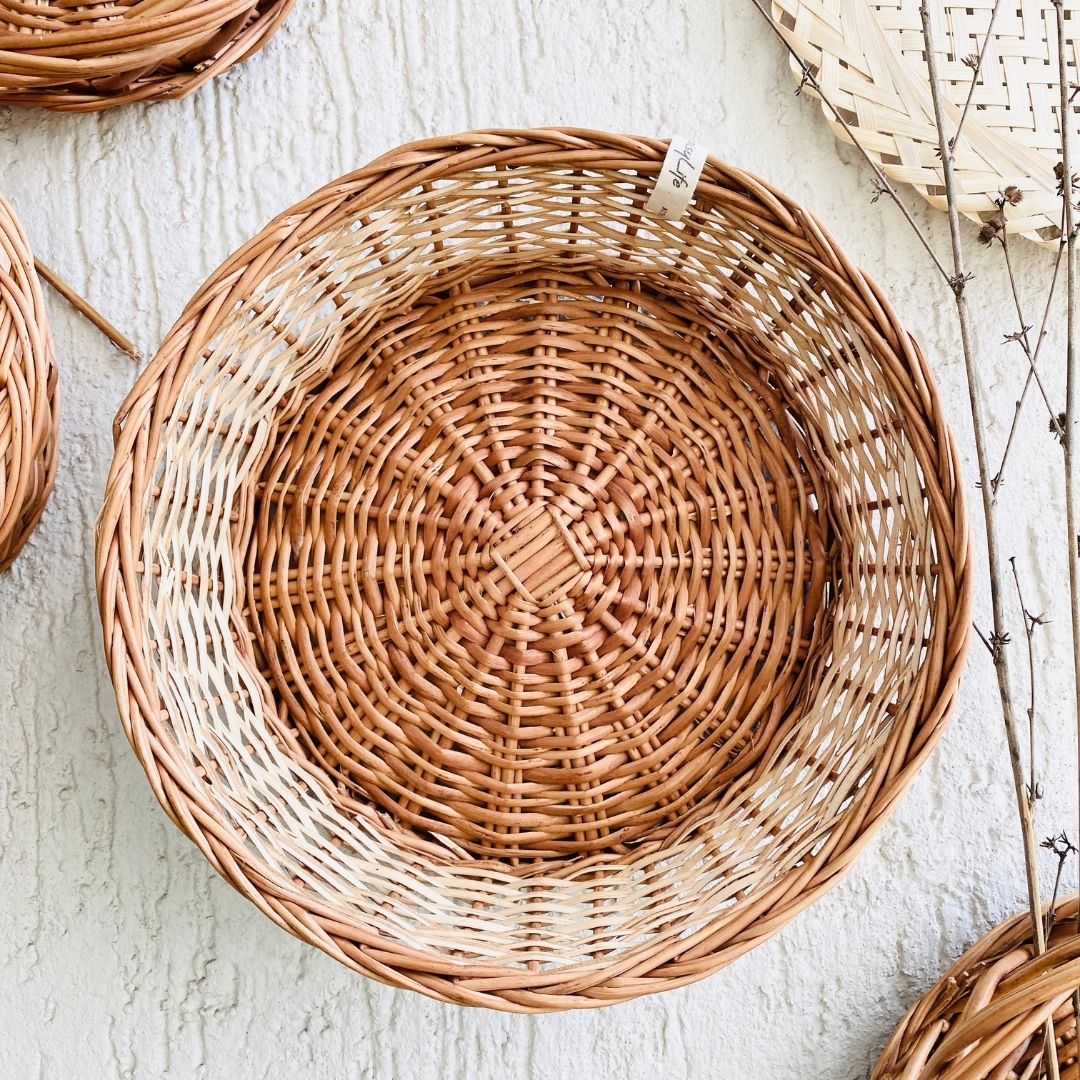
{"points": [[677, 180]]}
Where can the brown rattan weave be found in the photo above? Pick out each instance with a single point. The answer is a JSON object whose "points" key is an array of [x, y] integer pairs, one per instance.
{"points": [[529, 602], [86, 56], [28, 401], [986, 1016], [869, 58]]}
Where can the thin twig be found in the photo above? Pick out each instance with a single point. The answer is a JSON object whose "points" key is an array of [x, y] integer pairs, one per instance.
{"points": [[81, 305], [884, 185], [974, 81], [999, 638], [1021, 337], [999, 475], [1030, 622], [1062, 847], [1071, 540]]}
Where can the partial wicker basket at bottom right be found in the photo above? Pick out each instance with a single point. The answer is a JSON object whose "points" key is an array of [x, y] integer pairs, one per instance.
{"points": [[986, 1016]]}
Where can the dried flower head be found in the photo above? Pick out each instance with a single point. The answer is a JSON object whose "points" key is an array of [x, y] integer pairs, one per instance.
{"points": [[991, 230], [1013, 195], [1057, 426], [879, 187], [971, 61], [1060, 845], [1059, 175]]}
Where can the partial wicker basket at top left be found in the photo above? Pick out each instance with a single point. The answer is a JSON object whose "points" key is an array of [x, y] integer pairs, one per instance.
{"points": [[80, 58], [28, 398]]}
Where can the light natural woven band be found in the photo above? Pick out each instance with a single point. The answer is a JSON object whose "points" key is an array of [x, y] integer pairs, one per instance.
{"points": [[985, 1017], [529, 601], [28, 398], [868, 57], [90, 56]]}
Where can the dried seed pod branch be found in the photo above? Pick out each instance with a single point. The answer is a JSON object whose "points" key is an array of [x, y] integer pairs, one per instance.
{"points": [[999, 637], [1071, 538]]}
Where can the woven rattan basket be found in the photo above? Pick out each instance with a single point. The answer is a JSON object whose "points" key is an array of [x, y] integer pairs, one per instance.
{"points": [[28, 402], [986, 1015], [869, 59], [529, 601], [87, 56]]}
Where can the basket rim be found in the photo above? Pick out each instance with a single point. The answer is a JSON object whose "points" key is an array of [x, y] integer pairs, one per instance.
{"points": [[136, 434]]}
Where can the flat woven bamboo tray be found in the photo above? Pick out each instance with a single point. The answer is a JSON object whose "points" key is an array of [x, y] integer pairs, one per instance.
{"points": [[28, 400], [527, 600], [986, 1015], [88, 56], [869, 58]]}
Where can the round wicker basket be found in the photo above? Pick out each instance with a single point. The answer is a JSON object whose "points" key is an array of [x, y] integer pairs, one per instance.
{"points": [[529, 601], [28, 399], [869, 58], [90, 56], [986, 1016]]}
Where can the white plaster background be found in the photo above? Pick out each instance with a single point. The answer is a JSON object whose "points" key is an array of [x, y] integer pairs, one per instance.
{"points": [[121, 953]]}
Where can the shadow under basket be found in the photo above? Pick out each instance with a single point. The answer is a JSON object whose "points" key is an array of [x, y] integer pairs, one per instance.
{"points": [[528, 601]]}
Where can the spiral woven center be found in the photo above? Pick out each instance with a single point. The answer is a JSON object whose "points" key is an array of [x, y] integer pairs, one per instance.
{"points": [[538, 567]]}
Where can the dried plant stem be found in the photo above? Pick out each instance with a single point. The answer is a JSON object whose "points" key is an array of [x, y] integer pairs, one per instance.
{"points": [[999, 637], [999, 475], [1072, 539], [1030, 622], [81, 305], [884, 184], [974, 81], [1023, 340]]}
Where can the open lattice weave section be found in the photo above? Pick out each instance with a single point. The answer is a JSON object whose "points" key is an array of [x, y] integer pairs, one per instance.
{"points": [[868, 56], [28, 402], [86, 56], [986, 1016], [527, 601]]}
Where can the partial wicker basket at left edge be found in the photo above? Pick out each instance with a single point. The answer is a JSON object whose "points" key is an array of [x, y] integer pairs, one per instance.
{"points": [[28, 402], [96, 55]]}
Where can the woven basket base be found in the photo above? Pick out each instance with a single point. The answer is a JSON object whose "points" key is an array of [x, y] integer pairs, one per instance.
{"points": [[537, 568]]}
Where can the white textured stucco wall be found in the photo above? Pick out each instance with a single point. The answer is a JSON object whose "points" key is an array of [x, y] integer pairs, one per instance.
{"points": [[121, 953]]}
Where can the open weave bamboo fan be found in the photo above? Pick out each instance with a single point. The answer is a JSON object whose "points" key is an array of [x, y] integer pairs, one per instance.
{"points": [[28, 401], [869, 59], [986, 1016], [87, 56], [526, 599]]}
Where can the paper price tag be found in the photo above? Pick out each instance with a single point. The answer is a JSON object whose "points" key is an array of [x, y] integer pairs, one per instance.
{"points": [[677, 180]]}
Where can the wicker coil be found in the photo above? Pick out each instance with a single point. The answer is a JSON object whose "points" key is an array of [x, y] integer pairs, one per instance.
{"points": [[529, 602], [869, 59], [28, 399], [83, 57], [986, 1016]]}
